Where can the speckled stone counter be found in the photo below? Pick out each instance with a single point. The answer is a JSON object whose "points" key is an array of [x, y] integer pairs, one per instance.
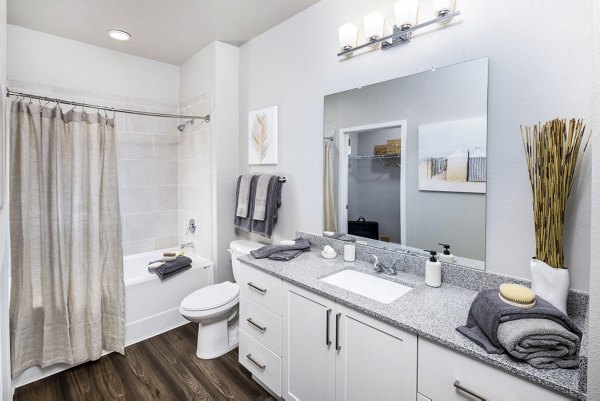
{"points": [[432, 313]]}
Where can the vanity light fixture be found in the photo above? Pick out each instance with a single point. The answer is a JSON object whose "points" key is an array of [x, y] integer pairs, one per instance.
{"points": [[406, 13], [374, 24], [118, 34], [348, 36]]}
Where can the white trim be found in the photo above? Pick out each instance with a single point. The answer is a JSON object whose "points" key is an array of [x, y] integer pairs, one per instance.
{"points": [[342, 142]]}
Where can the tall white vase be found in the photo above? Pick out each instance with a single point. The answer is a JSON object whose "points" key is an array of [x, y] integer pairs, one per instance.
{"points": [[550, 283]]}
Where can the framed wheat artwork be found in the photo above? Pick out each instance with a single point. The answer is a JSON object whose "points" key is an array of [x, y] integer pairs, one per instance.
{"points": [[263, 141]]}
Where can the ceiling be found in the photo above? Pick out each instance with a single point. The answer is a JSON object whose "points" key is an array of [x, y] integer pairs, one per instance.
{"points": [[165, 30]]}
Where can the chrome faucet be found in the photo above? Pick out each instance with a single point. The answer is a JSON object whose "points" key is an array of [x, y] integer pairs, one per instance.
{"points": [[380, 267], [186, 245]]}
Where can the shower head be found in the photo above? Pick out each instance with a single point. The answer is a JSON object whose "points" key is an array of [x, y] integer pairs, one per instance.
{"points": [[181, 127]]}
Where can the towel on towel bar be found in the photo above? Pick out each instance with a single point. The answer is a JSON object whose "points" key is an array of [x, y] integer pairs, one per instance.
{"points": [[542, 343], [243, 195], [265, 227], [487, 312], [245, 223], [260, 198]]}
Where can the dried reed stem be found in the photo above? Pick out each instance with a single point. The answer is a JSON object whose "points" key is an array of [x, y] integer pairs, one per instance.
{"points": [[553, 151]]}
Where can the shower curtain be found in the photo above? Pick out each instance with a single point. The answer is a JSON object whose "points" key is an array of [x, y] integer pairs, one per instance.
{"points": [[329, 213], [67, 291]]}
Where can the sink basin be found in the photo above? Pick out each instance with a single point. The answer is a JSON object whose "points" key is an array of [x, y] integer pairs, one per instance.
{"points": [[367, 285]]}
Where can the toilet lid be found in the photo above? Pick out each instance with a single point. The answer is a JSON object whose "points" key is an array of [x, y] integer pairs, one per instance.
{"points": [[211, 297]]}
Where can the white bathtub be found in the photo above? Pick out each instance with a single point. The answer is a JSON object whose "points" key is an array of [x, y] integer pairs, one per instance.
{"points": [[151, 305]]}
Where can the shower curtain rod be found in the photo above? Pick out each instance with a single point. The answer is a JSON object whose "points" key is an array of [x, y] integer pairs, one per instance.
{"points": [[9, 93]]}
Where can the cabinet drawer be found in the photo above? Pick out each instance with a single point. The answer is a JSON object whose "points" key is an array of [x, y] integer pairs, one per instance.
{"points": [[262, 363], [260, 324], [261, 287], [439, 369]]}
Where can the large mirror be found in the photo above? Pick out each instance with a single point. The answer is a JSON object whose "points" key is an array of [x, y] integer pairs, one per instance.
{"points": [[405, 162]]}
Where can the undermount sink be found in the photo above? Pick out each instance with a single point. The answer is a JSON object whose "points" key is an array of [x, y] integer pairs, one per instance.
{"points": [[369, 286]]}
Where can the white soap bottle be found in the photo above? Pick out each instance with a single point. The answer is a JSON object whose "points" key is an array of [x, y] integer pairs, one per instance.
{"points": [[446, 256], [433, 270]]}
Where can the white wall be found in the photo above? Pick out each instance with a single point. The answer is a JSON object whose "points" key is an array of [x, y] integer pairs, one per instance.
{"points": [[147, 146], [5, 377], [536, 72], [594, 312], [209, 84]]}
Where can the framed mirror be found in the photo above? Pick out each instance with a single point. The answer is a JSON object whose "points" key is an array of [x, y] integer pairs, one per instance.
{"points": [[405, 162]]}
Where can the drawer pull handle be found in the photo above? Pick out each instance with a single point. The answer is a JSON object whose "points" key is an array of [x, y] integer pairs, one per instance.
{"points": [[460, 387], [256, 325], [337, 332], [258, 365], [262, 291], [327, 339]]}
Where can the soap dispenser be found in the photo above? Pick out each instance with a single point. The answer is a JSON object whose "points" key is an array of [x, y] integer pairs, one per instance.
{"points": [[433, 270], [447, 257]]}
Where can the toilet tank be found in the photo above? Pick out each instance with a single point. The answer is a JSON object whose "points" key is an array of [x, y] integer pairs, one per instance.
{"points": [[238, 248]]}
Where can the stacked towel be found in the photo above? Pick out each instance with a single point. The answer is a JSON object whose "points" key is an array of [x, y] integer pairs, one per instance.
{"points": [[282, 252], [262, 208], [169, 269], [528, 336], [341, 237]]}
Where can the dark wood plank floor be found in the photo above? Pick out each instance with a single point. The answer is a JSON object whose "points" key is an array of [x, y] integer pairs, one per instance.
{"points": [[164, 367]]}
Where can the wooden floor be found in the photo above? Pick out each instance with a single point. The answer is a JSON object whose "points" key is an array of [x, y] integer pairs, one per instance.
{"points": [[164, 367]]}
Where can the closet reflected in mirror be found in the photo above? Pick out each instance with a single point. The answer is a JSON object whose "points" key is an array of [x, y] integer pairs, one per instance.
{"points": [[405, 162]]}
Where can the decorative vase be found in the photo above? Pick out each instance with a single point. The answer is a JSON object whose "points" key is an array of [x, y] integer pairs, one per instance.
{"points": [[550, 283]]}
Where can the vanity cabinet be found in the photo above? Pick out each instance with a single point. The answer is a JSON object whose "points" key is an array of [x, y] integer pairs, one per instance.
{"points": [[445, 375], [332, 352]]}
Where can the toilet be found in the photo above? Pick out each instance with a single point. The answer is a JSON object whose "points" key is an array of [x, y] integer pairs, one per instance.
{"points": [[215, 308]]}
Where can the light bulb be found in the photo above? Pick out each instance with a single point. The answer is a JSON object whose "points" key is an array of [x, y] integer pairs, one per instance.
{"points": [[443, 7], [406, 12], [348, 34], [373, 23]]}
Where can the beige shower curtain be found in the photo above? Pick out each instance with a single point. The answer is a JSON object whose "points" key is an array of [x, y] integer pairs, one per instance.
{"points": [[67, 292], [329, 213]]}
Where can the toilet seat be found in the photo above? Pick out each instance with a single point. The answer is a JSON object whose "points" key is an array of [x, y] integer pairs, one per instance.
{"points": [[210, 297]]}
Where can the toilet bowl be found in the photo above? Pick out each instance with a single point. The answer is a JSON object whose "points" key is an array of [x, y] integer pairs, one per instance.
{"points": [[215, 309]]}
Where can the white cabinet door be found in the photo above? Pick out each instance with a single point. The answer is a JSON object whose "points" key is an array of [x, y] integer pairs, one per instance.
{"points": [[374, 360], [308, 352]]}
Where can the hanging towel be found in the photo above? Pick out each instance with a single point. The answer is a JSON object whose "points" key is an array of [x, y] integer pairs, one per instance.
{"points": [[487, 312], [245, 223], [265, 227], [260, 199], [243, 195]]}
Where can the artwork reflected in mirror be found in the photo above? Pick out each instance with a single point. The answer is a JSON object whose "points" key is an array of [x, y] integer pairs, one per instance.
{"points": [[405, 162]]}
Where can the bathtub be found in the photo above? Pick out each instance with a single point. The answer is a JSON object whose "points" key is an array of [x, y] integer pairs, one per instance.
{"points": [[151, 305]]}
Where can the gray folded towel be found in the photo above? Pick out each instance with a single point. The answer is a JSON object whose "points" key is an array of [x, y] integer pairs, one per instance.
{"points": [[265, 227], [284, 256], [488, 311], [260, 198], [542, 343], [341, 237], [173, 267], [266, 251], [243, 195]]}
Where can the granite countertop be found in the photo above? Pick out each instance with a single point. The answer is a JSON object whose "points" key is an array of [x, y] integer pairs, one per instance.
{"points": [[433, 313]]}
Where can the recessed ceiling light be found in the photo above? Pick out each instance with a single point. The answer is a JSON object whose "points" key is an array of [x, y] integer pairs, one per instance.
{"points": [[119, 34]]}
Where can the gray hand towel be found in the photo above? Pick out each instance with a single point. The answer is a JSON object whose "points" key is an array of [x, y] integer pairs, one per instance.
{"points": [[173, 267], [266, 226], [245, 223], [542, 343], [268, 250], [243, 195], [285, 256], [260, 201], [341, 237], [488, 311]]}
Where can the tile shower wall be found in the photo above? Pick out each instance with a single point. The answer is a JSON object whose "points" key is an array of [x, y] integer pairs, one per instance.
{"points": [[147, 153], [195, 178]]}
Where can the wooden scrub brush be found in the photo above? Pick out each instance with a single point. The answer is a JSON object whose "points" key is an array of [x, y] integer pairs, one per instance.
{"points": [[517, 295]]}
